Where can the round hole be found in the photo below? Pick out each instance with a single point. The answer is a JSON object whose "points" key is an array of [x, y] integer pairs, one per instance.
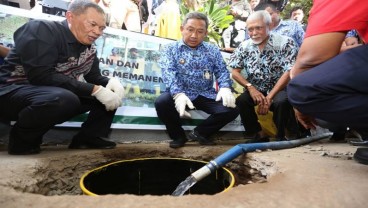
{"points": [[152, 176]]}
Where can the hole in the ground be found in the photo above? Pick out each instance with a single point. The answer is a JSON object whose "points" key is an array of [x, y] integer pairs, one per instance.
{"points": [[152, 176], [61, 175]]}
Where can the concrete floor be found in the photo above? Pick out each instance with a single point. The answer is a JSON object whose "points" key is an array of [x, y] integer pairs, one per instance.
{"points": [[321, 174]]}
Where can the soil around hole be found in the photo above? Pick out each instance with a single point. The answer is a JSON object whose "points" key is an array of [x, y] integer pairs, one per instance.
{"points": [[321, 174], [61, 175]]}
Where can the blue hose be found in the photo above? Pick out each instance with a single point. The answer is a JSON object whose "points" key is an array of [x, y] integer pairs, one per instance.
{"points": [[239, 149]]}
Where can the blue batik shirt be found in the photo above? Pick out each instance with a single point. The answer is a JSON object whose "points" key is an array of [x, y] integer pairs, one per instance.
{"points": [[193, 71], [292, 29], [351, 33], [264, 68]]}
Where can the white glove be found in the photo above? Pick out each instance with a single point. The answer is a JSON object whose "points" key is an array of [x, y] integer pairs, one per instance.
{"points": [[227, 97], [107, 97], [115, 85], [181, 101]]}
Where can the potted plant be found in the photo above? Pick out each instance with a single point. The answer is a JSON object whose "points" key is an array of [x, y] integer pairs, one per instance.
{"points": [[218, 17]]}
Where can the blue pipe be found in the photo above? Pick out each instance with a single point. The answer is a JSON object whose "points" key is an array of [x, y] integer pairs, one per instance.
{"points": [[239, 149]]}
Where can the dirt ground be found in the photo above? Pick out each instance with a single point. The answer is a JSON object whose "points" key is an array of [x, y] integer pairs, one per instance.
{"points": [[321, 174]]}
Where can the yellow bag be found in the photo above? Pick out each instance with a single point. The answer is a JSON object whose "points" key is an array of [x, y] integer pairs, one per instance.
{"points": [[267, 123]]}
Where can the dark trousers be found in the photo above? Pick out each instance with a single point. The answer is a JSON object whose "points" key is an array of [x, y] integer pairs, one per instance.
{"points": [[281, 108], [36, 109], [335, 91], [219, 115]]}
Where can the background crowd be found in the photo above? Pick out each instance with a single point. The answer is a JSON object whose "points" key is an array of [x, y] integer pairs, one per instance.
{"points": [[268, 52]]}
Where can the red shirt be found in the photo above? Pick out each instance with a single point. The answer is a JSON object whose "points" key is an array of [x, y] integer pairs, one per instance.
{"points": [[338, 15]]}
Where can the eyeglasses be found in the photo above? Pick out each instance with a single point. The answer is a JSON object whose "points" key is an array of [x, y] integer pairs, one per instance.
{"points": [[257, 28]]}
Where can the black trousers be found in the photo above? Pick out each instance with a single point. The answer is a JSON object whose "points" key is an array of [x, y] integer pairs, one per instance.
{"points": [[219, 115], [335, 91], [283, 114], [36, 109]]}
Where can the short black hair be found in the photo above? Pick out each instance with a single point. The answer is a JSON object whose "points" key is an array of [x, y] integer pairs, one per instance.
{"points": [[293, 9], [196, 15], [133, 50], [263, 6]]}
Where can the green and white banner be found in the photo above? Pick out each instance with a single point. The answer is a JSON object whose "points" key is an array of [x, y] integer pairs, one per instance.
{"points": [[128, 55]]}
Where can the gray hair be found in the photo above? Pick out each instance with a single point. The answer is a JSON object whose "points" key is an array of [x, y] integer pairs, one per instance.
{"points": [[261, 14], [79, 7], [196, 15]]}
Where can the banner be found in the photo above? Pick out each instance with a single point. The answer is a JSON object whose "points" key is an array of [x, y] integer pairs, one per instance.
{"points": [[130, 56]]}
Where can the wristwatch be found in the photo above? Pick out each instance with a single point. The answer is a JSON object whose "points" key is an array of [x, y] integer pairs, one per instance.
{"points": [[248, 85]]}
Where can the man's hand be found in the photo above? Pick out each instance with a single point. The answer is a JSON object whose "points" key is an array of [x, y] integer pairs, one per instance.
{"points": [[181, 101], [257, 96], [228, 99], [265, 107], [307, 121], [115, 85], [107, 97]]}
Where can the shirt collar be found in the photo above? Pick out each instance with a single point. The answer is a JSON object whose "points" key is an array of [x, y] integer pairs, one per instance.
{"points": [[182, 44], [281, 23], [270, 40]]}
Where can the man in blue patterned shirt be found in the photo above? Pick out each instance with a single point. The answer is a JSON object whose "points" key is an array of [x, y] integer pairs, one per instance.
{"points": [[261, 65], [190, 68]]}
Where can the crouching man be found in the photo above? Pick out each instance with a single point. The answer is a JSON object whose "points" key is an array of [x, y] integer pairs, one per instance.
{"points": [[261, 65], [189, 68], [52, 74]]}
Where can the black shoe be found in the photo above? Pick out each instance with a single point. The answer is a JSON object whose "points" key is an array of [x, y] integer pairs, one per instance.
{"points": [[202, 140], [358, 143], [361, 138], [24, 151], [361, 155], [19, 146], [258, 139], [361, 134], [249, 135], [304, 134], [338, 137], [91, 143], [177, 143], [280, 139]]}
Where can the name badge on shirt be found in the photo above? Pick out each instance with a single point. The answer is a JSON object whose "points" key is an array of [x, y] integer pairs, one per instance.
{"points": [[206, 74]]}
